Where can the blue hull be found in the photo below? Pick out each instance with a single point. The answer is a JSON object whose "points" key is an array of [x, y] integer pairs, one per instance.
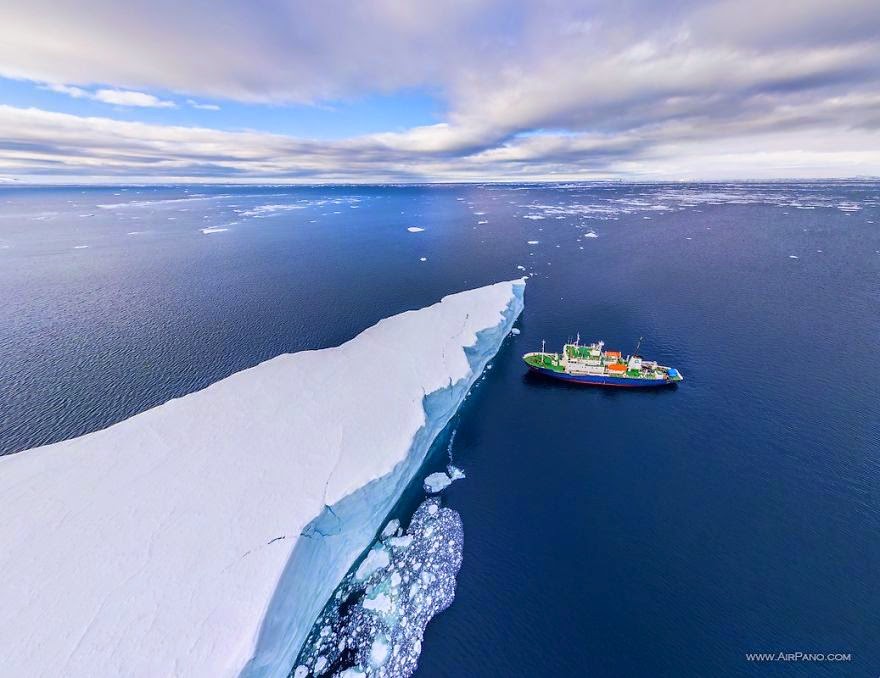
{"points": [[601, 380]]}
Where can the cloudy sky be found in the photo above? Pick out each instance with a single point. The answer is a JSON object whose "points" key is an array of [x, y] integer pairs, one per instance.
{"points": [[459, 90]]}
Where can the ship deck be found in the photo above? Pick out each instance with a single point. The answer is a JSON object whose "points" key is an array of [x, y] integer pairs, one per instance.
{"points": [[549, 361]]}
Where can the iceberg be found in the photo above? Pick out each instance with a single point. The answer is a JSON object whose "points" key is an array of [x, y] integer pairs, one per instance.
{"points": [[203, 537]]}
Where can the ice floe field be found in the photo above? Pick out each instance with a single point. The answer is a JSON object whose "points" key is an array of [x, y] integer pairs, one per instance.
{"points": [[585, 533]]}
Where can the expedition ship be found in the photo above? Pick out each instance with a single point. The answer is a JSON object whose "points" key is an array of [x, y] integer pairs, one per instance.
{"points": [[593, 365]]}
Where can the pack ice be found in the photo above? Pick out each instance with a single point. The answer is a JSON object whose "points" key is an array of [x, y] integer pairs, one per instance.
{"points": [[203, 537]]}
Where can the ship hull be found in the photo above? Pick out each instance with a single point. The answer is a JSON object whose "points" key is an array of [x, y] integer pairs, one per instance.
{"points": [[601, 379]]}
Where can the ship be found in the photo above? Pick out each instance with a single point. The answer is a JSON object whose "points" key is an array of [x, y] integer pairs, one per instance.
{"points": [[594, 365]]}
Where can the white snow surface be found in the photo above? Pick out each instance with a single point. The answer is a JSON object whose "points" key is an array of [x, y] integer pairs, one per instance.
{"points": [[203, 537]]}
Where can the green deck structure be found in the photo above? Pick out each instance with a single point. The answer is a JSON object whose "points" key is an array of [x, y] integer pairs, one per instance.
{"points": [[548, 361]]}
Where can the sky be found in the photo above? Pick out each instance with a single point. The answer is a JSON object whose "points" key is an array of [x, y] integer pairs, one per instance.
{"points": [[275, 91]]}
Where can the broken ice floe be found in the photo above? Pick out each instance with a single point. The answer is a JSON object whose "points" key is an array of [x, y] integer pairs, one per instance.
{"points": [[437, 482], [373, 625], [415, 229]]}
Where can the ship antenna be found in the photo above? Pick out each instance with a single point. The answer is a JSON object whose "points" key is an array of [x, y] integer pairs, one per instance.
{"points": [[637, 346]]}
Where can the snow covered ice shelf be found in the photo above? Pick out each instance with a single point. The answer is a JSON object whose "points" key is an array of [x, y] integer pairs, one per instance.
{"points": [[204, 536]]}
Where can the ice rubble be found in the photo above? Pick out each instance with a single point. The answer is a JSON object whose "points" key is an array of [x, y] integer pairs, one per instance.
{"points": [[204, 536], [375, 624]]}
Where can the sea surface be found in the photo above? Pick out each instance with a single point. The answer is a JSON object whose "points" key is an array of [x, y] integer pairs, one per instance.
{"points": [[606, 533]]}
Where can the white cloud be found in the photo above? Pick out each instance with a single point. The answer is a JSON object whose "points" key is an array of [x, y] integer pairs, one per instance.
{"points": [[116, 97], [532, 87], [121, 97], [54, 147], [75, 92], [203, 107]]}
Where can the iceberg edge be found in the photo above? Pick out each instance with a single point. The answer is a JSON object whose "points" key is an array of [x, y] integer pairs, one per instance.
{"points": [[322, 557]]}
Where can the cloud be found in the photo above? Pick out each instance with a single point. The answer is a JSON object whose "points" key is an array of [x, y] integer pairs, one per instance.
{"points": [[538, 88], [75, 92], [43, 146], [121, 97], [278, 51], [116, 97], [203, 107]]}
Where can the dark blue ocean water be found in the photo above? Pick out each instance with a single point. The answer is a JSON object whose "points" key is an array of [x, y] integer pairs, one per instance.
{"points": [[606, 533]]}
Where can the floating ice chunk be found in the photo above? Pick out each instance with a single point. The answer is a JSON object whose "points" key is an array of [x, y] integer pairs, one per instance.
{"points": [[381, 603], [515, 332], [793, 256], [532, 242], [377, 558], [415, 229], [521, 268], [213, 229], [399, 542], [437, 482], [591, 234], [390, 528], [300, 672], [455, 473], [379, 650], [534, 217], [423, 258], [269, 210], [80, 247], [482, 221], [353, 672]]}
